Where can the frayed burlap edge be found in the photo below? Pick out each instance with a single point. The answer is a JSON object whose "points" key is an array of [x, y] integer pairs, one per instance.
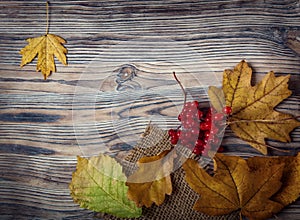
{"points": [[180, 204]]}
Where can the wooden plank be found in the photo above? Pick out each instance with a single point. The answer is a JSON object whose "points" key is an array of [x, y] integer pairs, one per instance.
{"points": [[80, 110]]}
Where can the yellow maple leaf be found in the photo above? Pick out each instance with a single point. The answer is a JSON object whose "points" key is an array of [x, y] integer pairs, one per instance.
{"points": [[236, 82], [253, 117], [152, 181], [45, 47]]}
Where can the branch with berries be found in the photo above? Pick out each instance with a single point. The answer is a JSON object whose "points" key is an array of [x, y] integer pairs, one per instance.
{"points": [[201, 128], [248, 110]]}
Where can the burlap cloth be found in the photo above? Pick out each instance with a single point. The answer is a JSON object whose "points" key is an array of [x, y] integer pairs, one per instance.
{"points": [[179, 205]]}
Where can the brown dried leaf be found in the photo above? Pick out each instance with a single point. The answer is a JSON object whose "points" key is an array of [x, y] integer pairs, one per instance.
{"points": [[45, 47], [290, 189], [152, 181], [235, 186]]}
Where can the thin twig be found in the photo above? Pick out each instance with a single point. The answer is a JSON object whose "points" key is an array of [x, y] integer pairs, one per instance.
{"points": [[277, 149], [266, 145], [181, 86], [262, 120]]}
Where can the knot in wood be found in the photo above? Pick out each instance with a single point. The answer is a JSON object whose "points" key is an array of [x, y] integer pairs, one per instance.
{"points": [[126, 72]]}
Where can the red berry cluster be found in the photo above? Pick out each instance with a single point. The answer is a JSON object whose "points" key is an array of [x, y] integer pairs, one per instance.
{"points": [[200, 128]]}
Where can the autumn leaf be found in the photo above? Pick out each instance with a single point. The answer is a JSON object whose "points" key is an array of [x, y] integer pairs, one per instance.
{"points": [[216, 97], [45, 47], [253, 117], [98, 184], [290, 190], [152, 181], [236, 84], [236, 186]]}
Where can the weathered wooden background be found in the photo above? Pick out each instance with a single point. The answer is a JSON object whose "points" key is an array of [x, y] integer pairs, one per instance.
{"points": [[77, 111]]}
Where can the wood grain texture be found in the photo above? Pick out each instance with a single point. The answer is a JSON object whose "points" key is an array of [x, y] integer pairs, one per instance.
{"points": [[78, 111]]}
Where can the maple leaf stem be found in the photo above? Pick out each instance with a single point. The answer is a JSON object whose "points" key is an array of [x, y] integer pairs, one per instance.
{"points": [[275, 148], [181, 86], [261, 120], [266, 145], [47, 17]]}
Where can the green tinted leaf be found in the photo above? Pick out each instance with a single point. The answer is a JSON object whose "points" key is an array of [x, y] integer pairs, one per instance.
{"points": [[98, 184]]}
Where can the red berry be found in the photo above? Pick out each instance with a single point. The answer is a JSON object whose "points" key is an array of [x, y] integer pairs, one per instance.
{"points": [[172, 132], [197, 151], [204, 126], [206, 135], [190, 111], [219, 124], [218, 116], [214, 130], [195, 131], [227, 110], [190, 123], [186, 135], [184, 110], [201, 134], [187, 105], [205, 152], [208, 114], [184, 141], [187, 116], [174, 140], [207, 118], [195, 104], [195, 124], [185, 124], [221, 149], [211, 111], [199, 143], [199, 114], [178, 133], [207, 146]]}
